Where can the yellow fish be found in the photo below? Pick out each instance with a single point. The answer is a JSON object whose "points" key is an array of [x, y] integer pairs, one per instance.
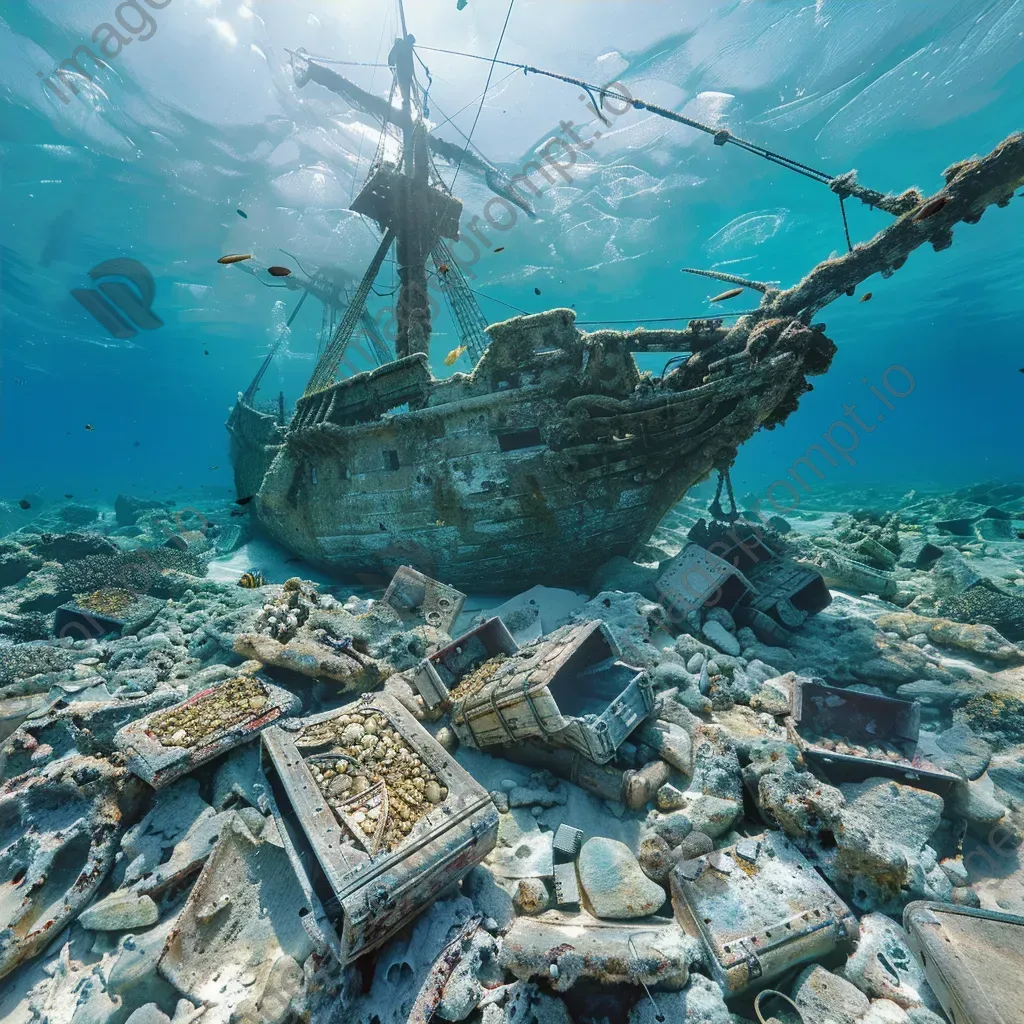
{"points": [[449, 360]]}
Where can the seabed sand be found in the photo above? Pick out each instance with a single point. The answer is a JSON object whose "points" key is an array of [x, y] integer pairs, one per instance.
{"points": [[729, 765]]}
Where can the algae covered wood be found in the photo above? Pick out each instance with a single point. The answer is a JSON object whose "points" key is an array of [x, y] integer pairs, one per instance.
{"points": [[973, 960], [374, 852]]}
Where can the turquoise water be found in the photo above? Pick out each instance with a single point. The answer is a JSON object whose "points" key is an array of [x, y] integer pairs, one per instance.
{"points": [[199, 116]]}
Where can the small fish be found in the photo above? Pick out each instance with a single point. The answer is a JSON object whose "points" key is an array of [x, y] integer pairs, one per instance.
{"points": [[730, 294], [536, 291], [931, 208], [252, 580], [206, 351], [25, 504], [137, 444], [292, 561], [244, 501], [89, 426], [238, 512], [279, 272], [69, 496], [214, 467], [242, 214], [500, 248], [236, 258], [1021, 370], [449, 360], [20, 382], [443, 268], [866, 297]]}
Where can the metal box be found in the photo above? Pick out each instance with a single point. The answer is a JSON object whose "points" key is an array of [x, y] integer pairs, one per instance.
{"points": [[973, 960], [788, 591], [411, 595], [879, 737], [167, 744], [567, 889], [567, 841], [695, 576], [379, 820], [568, 688], [759, 908], [437, 675], [104, 611]]}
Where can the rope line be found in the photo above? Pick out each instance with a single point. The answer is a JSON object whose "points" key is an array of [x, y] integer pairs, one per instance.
{"points": [[487, 86], [666, 319], [846, 226]]}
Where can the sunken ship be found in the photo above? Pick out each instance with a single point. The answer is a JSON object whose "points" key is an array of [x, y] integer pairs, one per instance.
{"points": [[554, 453]]}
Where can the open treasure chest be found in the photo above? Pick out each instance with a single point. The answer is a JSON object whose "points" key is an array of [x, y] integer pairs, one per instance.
{"points": [[849, 736], [167, 744], [109, 610], [377, 818], [729, 565], [759, 908], [567, 689]]}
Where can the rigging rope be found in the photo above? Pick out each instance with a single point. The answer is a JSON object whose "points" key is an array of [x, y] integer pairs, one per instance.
{"points": [[327, 365], [487, 86], [846, 226], [843, 185]]}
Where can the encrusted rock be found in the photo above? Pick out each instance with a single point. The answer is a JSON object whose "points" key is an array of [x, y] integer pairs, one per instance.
{"points": [[883, 967], [696, 844], [822, 996], [532, 896], [700, 1002], [120, 911]]}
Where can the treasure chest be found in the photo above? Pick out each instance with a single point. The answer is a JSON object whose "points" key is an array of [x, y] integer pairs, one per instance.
{"points": [[973, 960], [167, 744], [851, 736], [568, 689], [105, 611], [377, 818], [436, 675], [418, 598], [759, 908], [696, 576]]}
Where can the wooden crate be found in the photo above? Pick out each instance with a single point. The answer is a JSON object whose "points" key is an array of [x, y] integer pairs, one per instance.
{"points": [[568, 688]]}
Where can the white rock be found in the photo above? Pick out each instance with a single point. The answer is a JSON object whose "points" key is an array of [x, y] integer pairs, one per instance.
{"points": [[120, 911], [614, 883], [717, 635]]}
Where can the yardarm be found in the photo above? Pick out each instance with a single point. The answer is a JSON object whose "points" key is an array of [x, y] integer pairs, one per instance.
{"points": [[135, 21]]}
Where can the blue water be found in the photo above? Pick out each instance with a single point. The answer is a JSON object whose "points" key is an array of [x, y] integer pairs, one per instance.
{"points": [[202, 118]]}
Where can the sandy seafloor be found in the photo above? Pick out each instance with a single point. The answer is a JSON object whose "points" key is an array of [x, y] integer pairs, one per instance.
{"points": [[895, 627]]}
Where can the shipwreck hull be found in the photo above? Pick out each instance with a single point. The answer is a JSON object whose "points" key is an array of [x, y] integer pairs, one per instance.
{"points": [[539, 467], [253, 435]]}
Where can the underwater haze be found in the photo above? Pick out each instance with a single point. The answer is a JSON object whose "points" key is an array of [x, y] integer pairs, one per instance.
{"points": [[198, 115]]}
